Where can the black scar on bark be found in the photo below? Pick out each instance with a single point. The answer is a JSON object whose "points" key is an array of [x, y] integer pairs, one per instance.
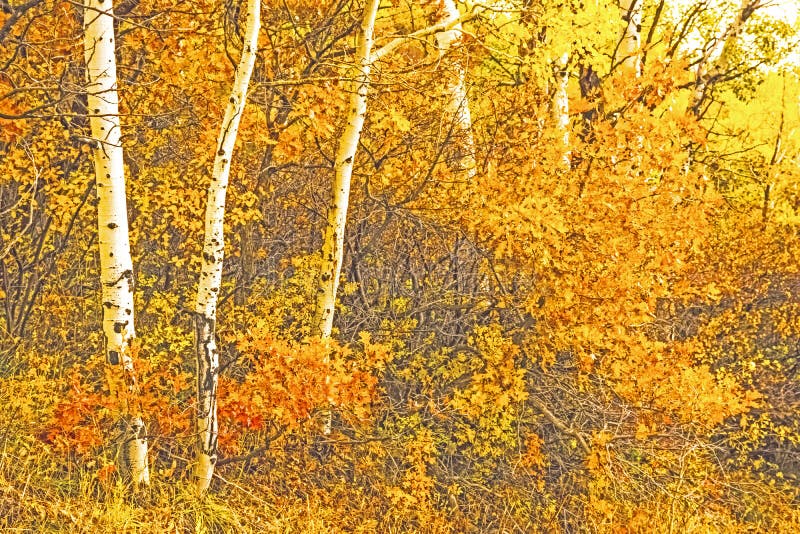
{"points": [[119, 325], [113, 357], [208, 380], [113, 225], [127, 273]]}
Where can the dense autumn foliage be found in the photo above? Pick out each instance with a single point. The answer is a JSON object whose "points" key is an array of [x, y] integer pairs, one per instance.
{"points": [[542, 325]]}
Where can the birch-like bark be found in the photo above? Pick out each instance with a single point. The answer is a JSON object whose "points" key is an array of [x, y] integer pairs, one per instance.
{"points": [[116, 266], [333, 236], [333, 240], [207, 425], [457, 101], [708, 70], [630, 46], [559, 108]]}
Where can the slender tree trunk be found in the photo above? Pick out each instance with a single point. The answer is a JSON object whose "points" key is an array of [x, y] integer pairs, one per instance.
{"points": [[116, 266], [458, 102], [708, 70], [213, 256], [559, 108], [630, 46], [333, 240], [333, 236]]}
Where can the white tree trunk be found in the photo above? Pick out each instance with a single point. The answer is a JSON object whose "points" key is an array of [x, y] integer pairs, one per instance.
{"points": [[708, 70], [559, 108], [458, 103], [333, 237], [333, 240], [629, 48], [212, 261], [116, 267]]}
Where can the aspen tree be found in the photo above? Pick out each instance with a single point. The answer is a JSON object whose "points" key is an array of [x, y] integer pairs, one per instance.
{"points": [[457, 100], [559, 98], [116, 266], [213, 256], [559, 107], [333, 240], [629, 47], [709, 70], [333, 236]]}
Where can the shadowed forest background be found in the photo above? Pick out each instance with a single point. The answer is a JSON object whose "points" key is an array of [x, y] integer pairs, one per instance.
{"points": [[569, 297]]}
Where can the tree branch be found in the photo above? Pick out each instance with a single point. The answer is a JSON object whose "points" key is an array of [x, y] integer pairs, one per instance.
{"points": [[436, 28]]}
